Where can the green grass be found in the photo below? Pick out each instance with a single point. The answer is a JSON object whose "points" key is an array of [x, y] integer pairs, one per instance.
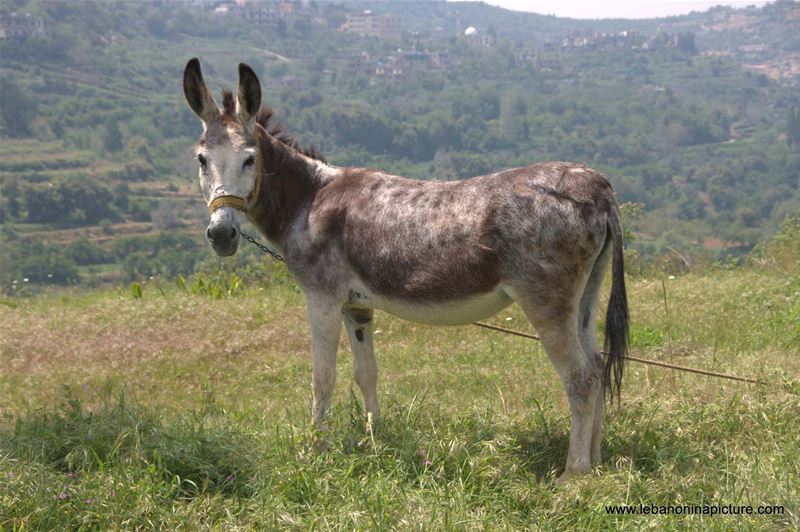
{"points": [[184, 411]]}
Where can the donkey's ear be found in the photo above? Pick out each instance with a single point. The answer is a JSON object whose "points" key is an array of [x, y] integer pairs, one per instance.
{"points": [[248, 100], [197, 94]]}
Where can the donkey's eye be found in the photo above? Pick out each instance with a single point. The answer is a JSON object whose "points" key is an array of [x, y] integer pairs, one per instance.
{"points": [[250, 161], [202, 159]]}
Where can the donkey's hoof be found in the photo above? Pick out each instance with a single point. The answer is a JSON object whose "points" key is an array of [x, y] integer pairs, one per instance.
{"points": [[321, 444], [563, 479], [373, 422], [597, 456], [572, 472]]}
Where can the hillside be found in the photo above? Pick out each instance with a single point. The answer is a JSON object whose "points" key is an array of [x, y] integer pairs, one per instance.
{"points": [[694, 117]]}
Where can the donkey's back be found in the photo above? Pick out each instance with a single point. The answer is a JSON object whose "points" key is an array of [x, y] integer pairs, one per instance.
{"points": [[435, 242]]}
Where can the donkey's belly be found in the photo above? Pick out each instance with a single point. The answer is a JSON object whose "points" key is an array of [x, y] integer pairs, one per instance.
{"points": [[457, 312]]}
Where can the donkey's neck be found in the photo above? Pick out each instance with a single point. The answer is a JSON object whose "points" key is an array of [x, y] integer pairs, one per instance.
{"points": [[290, 180]]}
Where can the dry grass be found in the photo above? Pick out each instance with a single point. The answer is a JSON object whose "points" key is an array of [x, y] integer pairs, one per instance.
{"points": [[486, 407]]}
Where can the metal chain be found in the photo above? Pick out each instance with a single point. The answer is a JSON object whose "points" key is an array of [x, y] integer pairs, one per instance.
{"points": [[262, 247]]}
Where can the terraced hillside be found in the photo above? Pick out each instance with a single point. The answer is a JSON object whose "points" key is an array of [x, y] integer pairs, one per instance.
{"points": [[687, 116]]}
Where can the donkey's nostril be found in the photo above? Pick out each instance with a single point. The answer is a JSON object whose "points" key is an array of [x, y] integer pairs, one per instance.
{"points": [[221, 232]]}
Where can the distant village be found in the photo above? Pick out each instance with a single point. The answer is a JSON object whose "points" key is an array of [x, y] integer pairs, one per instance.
{"points": [[417, 52], [415, 56], [21, 26]]}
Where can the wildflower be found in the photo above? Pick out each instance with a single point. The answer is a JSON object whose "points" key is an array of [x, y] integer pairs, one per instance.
{"points": [[63, 495], [88, 501], [424, 455], [231, 477], [509, 318], [113, 493], [671, 277], [25, 280]]}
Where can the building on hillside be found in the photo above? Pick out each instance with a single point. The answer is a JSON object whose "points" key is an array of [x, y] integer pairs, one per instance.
{"points": [[372, 25], [476, 38], [394, 66], [20, 26], [260, 12], [592, 40], [544, 60], [417, 39], [360, 62], [756, 52], [407, 63], [287, 7]]}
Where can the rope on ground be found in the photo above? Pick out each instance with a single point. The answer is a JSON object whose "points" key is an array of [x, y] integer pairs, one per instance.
{"points": [[634, 359], [534, 337]]}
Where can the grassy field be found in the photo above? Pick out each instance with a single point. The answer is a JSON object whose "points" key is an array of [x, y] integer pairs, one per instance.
{"points": [[179, 410]]}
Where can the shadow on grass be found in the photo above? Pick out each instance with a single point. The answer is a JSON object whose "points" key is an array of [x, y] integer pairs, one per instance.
{"points": [[539, 442], [633, 434], [200, 453], [543, 452], [422, 438], [189, 454]]}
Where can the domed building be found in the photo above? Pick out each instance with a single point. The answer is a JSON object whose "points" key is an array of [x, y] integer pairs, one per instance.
{"points": [[474, 37]]}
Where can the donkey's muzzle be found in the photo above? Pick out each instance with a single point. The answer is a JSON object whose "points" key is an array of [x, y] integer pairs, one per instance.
{"points": [[223, 237]]}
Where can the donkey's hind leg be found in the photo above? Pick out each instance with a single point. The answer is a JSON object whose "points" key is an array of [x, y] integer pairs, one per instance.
{"points": [[587, 331], [581, 380], [358, 323]]}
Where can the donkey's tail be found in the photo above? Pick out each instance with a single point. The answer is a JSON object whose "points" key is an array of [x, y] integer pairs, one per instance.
{"points": [[617, 334]]}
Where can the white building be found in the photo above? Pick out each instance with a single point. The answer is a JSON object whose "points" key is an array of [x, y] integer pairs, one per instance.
{"points": [[372, 25]]}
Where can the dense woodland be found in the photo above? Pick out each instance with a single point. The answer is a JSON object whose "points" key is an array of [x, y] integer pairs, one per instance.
{"points": [[700, 131]]}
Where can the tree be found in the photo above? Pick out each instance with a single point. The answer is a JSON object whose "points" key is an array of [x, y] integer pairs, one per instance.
{"points": [[18, 109], [69, 201], [686, 42], [512, 116], [9, 198], [82, 251], [33, 260], [359, 127], [793, 128], [112, 137], [166, 215], [155, 24]]}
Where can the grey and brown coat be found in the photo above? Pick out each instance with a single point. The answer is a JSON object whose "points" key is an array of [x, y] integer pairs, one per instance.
{"points": [[357, 239]]}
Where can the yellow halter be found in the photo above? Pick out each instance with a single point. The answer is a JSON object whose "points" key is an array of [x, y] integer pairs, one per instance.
{"points": [[228, 201]]}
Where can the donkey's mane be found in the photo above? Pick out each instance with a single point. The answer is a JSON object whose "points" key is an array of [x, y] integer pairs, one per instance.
{"points": [[266, 119]]}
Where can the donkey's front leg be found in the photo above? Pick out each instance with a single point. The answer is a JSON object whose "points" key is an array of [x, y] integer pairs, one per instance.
{"points": [[358, 323], [326, 321]]}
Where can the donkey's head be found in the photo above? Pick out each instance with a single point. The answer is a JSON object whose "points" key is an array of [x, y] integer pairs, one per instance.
{"points": [[227, 152]]}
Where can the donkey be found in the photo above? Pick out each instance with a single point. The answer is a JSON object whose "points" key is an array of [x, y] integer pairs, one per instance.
{"points": [[358, 239]]}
